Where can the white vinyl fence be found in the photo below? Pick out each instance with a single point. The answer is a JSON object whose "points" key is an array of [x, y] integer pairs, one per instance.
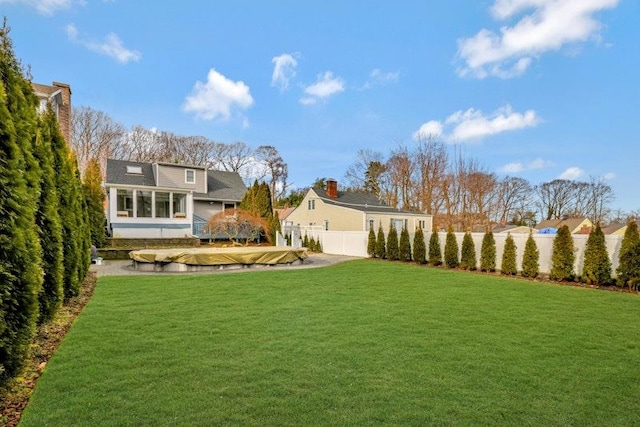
{"points": [[354, 243]]}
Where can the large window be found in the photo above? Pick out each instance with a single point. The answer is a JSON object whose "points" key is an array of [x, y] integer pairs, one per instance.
{"points": [[162, 205], [125, 202], [179, 205], [143, 204], [398, 224]]}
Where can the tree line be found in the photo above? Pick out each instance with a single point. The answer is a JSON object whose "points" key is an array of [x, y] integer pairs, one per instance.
{"points": [[45, 232], [458, 191], [596, 270]]}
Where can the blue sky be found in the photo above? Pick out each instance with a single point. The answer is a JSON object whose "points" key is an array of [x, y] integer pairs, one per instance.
{"points": [[540, 89]]}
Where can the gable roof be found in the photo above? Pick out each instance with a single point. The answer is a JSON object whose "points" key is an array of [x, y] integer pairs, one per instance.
{"points": [[223, 185], [612, 228], [571, 223], [360, 201], [117, 173]]}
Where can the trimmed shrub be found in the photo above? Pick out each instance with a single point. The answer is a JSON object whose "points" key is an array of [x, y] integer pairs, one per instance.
{"points": [[419, 249], [371, 243], [509, 266], [451, 259], [597, 266], [468, 259], [435, 252], [488, 252], [305, 241], [630, 239], [631, 260], [563, 256], [94, 197], [381, 245], [530, 258], [312, 244], [405, 245], [393, 251]]}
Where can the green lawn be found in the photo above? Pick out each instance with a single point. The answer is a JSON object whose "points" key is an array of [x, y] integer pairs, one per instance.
{"points": [[364, 342]]}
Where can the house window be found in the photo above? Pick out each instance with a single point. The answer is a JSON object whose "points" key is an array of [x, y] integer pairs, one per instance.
{"points": [[229, 206], [162, 205], [179, 205], [134, 170], [312, 204], [125, 202], [371, 224], [190, 176], [420, 224], [143, 204], [326, 225], [398, 224]]}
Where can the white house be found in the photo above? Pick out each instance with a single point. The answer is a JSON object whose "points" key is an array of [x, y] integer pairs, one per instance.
{"points": [[165, 200]]}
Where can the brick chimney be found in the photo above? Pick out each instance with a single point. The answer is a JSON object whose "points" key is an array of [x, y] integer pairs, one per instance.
{"points": [[332, 188], [64, 110]]}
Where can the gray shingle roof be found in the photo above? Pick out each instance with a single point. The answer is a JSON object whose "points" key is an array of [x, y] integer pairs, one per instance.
{"points": [[363, 202], [117, 173], [222, 185]]}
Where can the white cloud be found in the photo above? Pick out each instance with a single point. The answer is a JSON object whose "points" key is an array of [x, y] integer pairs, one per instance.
{"points": [[432, 128], [46, 7], [548, 26], [217, 97], [284, 70], [379, 77], [111, 46], [609, 176], [326, 86], [571, 173], [517, 167]]}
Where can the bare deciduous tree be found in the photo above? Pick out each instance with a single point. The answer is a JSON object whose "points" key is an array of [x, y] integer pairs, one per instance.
{"points": [[94, 134]]}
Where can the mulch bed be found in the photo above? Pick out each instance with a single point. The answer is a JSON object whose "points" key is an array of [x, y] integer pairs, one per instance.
{"points": [[15, 395]]}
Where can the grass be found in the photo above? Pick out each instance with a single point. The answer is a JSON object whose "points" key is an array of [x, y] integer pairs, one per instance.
{"points": [[364, 342]]}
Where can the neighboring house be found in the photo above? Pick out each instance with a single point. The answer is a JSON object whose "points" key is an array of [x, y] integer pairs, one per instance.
{"points": [[514, 229], [165, 200], [335, 210], [579, 225], [59, 96], [615, 229]]}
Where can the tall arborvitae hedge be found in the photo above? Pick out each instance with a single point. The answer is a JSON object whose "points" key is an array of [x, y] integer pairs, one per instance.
{"points": [[488, 252], [468, 260], [49, 230], [419, 248], [451, 259], [508, 265], [405, 245], [371, 243], [596, 269], [257, 202], [274, 227], [71, 209], [94, 196], [631, 261], [563, 257], [530, 258], [381, 244], [630, 240], [20, 263], [393, 250], [435, 251]]}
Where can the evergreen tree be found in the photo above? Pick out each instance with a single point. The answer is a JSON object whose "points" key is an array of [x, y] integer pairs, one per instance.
{"points": [[630, 239], [631, 261], [597, 266], [312, 244], [371, 243], [71, 209], [393, 251], [20, 263], [530, 258], [562, 258], [419, 249], [274, 226], [405, 245], [451, 259], [381, 245], [94, 196], [508, 265], [305, 241], [435, 252], [488, 252], [468, 259], [49, 231]]}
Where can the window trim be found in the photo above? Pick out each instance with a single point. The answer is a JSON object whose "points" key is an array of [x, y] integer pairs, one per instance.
{"points": [[186, 176]]}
